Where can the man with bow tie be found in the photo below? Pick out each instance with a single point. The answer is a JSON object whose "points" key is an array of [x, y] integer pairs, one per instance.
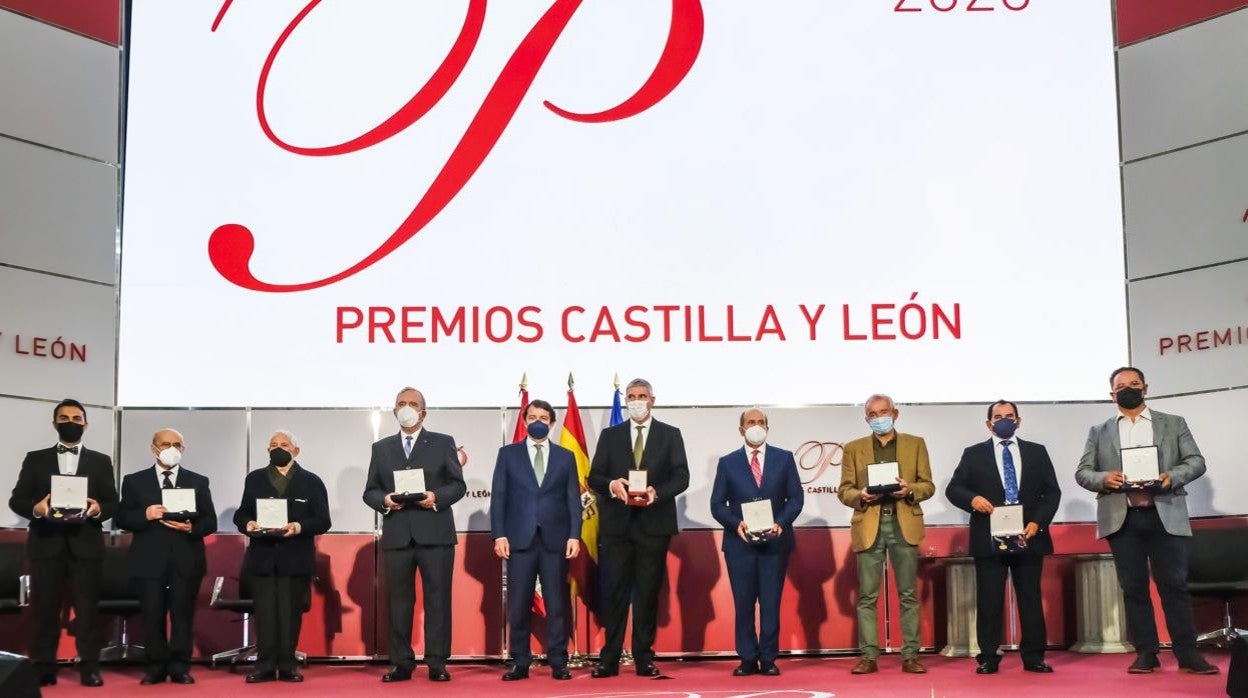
{"points": [[65, 547]]}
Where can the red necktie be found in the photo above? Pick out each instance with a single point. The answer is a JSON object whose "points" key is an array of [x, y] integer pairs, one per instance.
{"points": [[756, 468]]}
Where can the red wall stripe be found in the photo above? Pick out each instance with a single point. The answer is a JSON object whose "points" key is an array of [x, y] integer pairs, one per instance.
{"points": [[1141, 19], [99, 19]]}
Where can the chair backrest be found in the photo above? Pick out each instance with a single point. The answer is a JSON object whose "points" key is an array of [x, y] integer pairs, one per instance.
{"points": [[115, 582], [1218, 555], [11, 557]]}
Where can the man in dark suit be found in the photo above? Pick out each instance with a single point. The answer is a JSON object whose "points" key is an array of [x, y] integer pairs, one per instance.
{"points": [[419, 536], [280, 563], [1147, 530], [535, 519], [633, 540], [61, 550], [756, 571], [1005, 470], [166, 557]]}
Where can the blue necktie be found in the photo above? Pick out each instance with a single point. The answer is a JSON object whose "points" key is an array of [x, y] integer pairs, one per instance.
{"points": [[407, 446], [1011, 478]]}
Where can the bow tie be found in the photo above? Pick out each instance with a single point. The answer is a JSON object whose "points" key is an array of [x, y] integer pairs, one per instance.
{"points": [[67, 449]]}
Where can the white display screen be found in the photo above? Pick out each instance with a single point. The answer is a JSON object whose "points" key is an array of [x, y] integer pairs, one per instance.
{"points": [[799, 202]]}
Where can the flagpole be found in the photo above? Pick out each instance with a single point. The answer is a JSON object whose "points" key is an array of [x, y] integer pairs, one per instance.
{"points": [[576, 660]]}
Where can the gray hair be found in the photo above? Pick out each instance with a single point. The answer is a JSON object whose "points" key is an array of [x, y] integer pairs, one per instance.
{"points": [[879, 396], [290, 436], [406, 388], [180, 436], [746, 411], [639, 383]]}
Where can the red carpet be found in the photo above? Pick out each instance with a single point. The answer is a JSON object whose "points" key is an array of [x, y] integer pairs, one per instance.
{"points": [[1075, 675]]}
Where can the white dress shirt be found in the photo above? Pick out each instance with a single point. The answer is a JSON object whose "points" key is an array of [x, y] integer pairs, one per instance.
{"points": [[533, 453], [173, 475], [762, 454], [1018, 459], [68, 461], [645, 432], [1138, 433], [415, 436]]}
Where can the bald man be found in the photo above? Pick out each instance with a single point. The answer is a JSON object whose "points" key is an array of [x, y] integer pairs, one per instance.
{"points": [[166, 557]]}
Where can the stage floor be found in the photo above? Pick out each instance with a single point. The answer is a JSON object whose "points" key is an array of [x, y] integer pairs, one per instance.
{"points": [[1075, 676]]}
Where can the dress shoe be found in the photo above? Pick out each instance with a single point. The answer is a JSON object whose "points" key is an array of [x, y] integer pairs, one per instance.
{"points": [[150, 679], [396, 674], [439, 674], [261, 677], [1198, 666], [560, 673], [1143, 664], [746, 669], [185, 679], [913, 666], [47, 680], [865, 666], [648, 670], [292, 676], [603, 671], [986, 668], [768, 668], [1038, 667], [516, 673], [92, 679]]}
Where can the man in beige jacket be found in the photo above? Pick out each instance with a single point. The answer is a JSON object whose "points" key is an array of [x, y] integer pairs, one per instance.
{"points": [[886, 525]]}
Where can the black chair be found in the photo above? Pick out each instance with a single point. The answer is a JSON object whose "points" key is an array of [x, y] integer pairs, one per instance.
{"points": [[1218, 567], [14, 586], [242, 604], [119, 598]]}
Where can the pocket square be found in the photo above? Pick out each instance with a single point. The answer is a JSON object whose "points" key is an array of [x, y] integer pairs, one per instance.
{"points": [[302, 501]]}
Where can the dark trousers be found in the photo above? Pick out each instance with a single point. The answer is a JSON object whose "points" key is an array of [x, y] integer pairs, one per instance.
{"points": [[48, 578], [1141, 543], [633, 570], [279, 605], [173, 598], [436, 563], [757, 578], [990, 574], [523, 569]]}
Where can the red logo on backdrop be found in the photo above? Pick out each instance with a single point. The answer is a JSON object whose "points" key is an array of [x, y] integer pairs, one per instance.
{"points": [[230, 246]]}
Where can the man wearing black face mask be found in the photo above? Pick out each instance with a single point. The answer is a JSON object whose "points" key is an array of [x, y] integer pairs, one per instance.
{"points": [[64, 547], [1000, 472], [1146, 529], [535, 518], [279, 562]]}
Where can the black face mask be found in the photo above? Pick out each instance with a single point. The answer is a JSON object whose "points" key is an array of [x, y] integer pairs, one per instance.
{"points": [[1129, 398], [279, 458], [70, 432]]}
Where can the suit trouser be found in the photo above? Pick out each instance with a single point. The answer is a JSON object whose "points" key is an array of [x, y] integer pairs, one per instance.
{"points": [[172, 596], [757, 577], [905, 561], [633, 569], [523, 569], [436, 564], [48, 577], [1141, 543], [990, 574], [279, 603]]}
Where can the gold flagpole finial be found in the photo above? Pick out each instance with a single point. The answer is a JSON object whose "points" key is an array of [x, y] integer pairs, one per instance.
{"points": [[524, 381], [617, 380]]}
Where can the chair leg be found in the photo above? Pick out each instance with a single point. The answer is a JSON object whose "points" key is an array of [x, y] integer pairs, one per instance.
{"points": [[1224, 635]]}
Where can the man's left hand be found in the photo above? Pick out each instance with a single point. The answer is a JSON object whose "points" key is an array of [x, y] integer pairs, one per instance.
{"points": [[430, 501], [292, 529], [93, 508], [183, 526], [651, 495], [1032, 529], [573, 548], [904, 491], [1166, 484]]}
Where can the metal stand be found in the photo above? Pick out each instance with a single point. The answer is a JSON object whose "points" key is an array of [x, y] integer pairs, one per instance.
{"points": [[576, 660], [1222, 636]]}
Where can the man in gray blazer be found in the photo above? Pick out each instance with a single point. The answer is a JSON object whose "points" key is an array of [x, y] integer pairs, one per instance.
{"points": [[417, 535], [1146, 529]]}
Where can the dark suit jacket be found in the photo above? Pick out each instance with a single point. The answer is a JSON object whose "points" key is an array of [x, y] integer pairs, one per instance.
{"points": [[307, 503], [667, 471], [977, 475], [520, 507], [436, 454], [47, 539], [155, 547], [734, 484]]}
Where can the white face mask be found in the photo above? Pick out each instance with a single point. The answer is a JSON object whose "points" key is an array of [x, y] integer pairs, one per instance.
{"points": [[170, 456], [756, 434], [408, 416], [639, 410]]}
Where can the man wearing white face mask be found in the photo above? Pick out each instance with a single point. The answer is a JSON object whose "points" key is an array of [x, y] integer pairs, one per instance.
{"points": [[166, 557], [756, 569], [886, 525], [418, 535], [633, 540]]}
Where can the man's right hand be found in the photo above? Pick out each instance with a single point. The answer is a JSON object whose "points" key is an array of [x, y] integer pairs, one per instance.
{"points": [[1114, 480], [502, 548], [619, 488], [41, 508], [155, 511], [981, 505], [391, 504], [743, 531], [869, 498]]}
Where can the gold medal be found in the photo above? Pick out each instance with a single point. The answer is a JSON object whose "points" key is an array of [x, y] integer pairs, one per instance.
{"points": [[57, 514]]}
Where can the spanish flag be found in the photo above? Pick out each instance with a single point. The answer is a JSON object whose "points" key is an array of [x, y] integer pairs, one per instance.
{"points": [[584, 568]]}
